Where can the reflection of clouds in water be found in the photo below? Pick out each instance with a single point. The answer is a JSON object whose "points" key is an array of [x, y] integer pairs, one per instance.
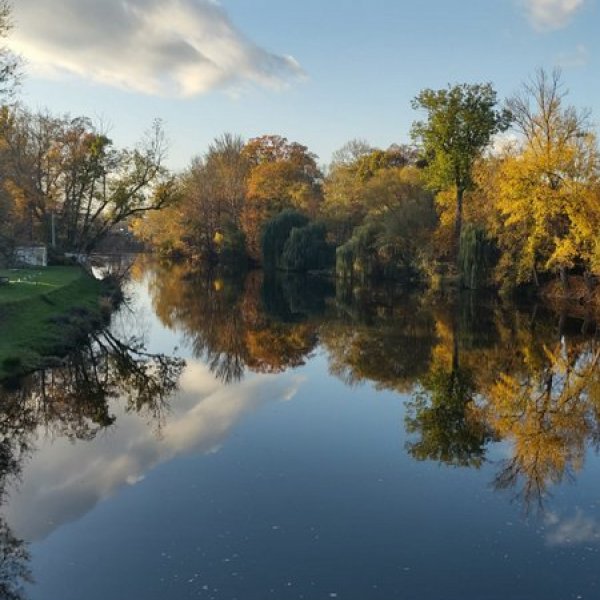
{"points": [[135, 316], [60, 484], [579, 529]]}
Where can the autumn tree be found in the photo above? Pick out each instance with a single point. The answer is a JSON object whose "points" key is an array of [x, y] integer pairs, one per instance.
{"points": [[205, 222], [398, 220], [65, 176], [461, 121], [9, 80], [398, 199], [350, 152], [547, 197], [345, 186], [283, 175]]}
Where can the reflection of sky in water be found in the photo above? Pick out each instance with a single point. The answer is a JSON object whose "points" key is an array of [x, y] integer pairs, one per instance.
{"points": [[68, 479], [244, 495], [580, 529]]}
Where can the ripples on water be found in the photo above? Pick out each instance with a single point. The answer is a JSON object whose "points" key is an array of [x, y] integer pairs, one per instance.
{"points": [[277, 438]]}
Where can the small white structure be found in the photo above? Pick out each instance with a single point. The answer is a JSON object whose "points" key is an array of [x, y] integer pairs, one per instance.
{"points": [[31, 256]]}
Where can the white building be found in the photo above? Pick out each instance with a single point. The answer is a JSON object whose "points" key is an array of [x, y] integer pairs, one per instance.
{"points": [[31, 256]]}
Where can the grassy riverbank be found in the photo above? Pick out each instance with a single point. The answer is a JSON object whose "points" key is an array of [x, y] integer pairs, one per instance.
{"points": [[43, 313]]}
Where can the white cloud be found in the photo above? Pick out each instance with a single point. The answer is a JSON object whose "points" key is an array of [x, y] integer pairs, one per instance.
{"points": [[552, 14], [158, 47]]}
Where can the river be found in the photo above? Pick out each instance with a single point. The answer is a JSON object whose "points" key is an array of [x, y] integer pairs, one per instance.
{"points": [[277, 438]]}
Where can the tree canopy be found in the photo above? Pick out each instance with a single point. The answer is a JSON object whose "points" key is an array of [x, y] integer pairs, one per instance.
{"points": [[461, 121]]}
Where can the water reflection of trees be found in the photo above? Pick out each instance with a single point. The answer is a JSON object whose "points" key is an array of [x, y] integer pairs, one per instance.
{"points": [[386, 340], [477, 371], [550, 413], [14, 565], [74, 400], [532, 384], [235, 325], [14, 446]]}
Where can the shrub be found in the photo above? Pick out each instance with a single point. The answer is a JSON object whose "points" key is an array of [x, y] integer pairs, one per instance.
{"points": [[276, 233], [306, 249], [232, 247], [357, 259]]}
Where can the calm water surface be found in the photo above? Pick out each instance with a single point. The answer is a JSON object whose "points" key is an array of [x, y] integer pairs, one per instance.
{"points": [[366, 444]]}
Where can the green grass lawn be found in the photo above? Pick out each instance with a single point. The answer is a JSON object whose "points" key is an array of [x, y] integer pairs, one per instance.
{"points": [[28, 283], [41, 312]]}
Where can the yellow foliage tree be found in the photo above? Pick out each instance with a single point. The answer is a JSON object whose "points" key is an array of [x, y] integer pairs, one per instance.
{"points": [[547, 196]]}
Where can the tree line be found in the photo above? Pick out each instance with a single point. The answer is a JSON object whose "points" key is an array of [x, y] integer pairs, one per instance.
{"points": [[487, 192]]}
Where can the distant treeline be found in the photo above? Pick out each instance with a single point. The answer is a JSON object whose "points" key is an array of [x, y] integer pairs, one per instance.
{"points": [[487, 193]]}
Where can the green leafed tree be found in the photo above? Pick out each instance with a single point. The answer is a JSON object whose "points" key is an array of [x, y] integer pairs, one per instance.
{"points": [[459, 125]]}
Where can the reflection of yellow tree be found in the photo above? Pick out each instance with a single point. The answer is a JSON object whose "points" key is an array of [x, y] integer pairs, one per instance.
{"points": [[548, 413], [482, 371], [508, 385]]}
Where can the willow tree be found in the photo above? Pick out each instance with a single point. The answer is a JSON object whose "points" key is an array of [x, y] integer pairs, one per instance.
{"points": [[460, 123]]}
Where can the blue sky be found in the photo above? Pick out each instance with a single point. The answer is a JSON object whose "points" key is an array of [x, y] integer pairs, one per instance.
{"points": [[206, 67]]}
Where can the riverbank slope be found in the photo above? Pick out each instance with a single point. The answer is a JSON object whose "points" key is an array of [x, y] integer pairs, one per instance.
{"points": [[44, 313]]}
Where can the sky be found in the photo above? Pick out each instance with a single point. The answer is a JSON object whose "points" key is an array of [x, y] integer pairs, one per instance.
{"points": [[320, 72]]}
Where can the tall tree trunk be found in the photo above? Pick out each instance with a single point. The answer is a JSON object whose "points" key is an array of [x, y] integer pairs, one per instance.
{"points": [[458, 220], [562, 321]]}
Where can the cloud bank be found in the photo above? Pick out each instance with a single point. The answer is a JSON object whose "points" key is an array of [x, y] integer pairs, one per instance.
{"points": [[552, 14], [176, 48]]}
